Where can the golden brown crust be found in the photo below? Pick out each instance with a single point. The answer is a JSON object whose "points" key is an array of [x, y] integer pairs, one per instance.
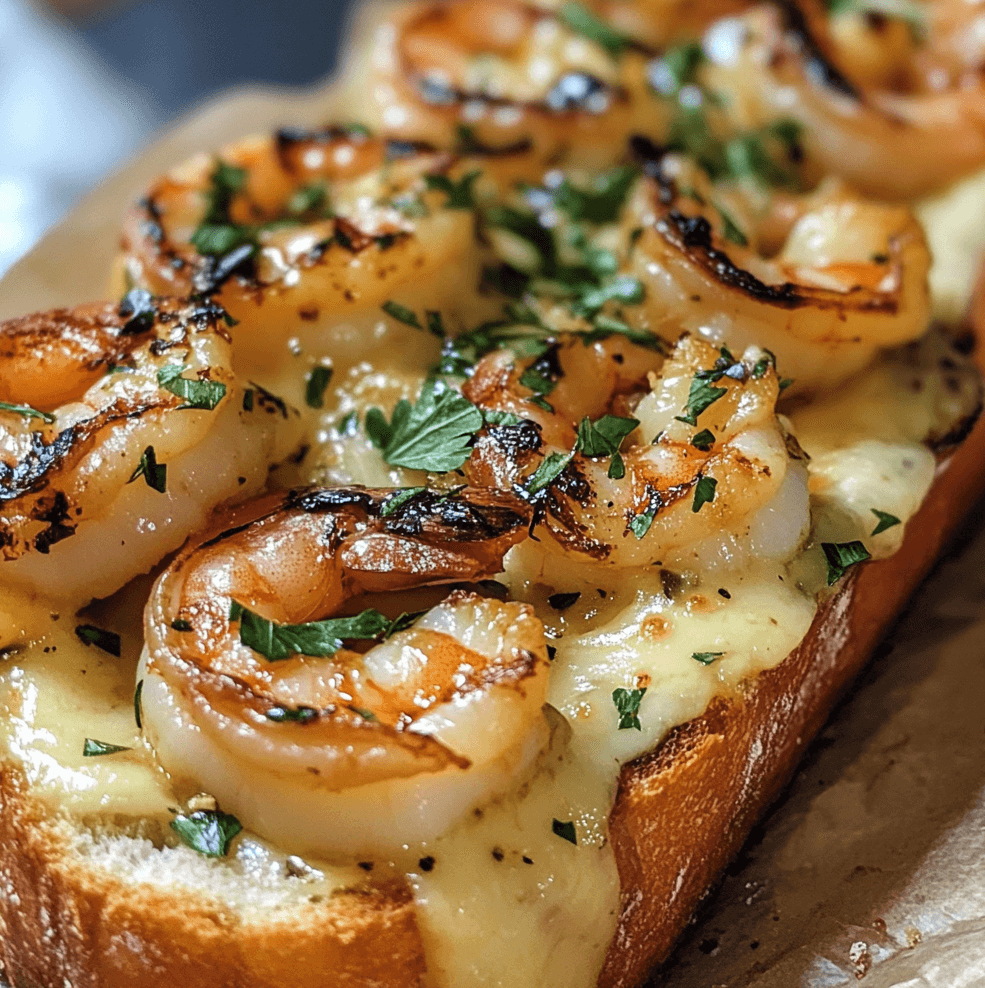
{"points": [[682, 813]]}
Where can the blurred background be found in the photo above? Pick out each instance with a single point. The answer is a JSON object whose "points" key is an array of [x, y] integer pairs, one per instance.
{"points": [[85, 83]]}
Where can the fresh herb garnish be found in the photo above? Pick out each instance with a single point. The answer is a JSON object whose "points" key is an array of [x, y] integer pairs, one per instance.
{"points": [[461, 194], [841, 556], [628, 707], [730, 229], [433, 434], [394, 501], [155, 474], [603, 437], [297, 715], [199, 393], [210, 832], [676, 68], [27, 412], [217, 235], [402, 314], [180, 624], [582, 21], [276, 642], [550, 468], [704, 492], [640, 524], [703, 440], [92, 748], [701, 395], [706, 658], [886, 520], [314, 390], [108, 641], [601, 201], [310, 201], [623, 289], [565, 829]]}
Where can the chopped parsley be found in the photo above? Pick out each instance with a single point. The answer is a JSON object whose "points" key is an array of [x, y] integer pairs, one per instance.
{"points": [[886, 521], [582, 21], [461, 194], [603, 437], [676, 68], [217, 235], [565, 829], [315, 386], [628, 707], [640, 524], [432, 434], [309, 202], [704, 492], [276, 642], [93, 749], [730, 229], [903, 10], [402, 314], [27, 412], [600, 202], [180, 624], [706, 658], [199, 393], [395, 500], [297, 715], [108, 641], [623, 289], [703, 440], [550, 468], [701, 395], [841, 556], [210, 832], [155, 474]]}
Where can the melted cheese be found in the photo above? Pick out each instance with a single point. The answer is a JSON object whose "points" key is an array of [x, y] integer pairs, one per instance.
{"points": [[504, 900]]}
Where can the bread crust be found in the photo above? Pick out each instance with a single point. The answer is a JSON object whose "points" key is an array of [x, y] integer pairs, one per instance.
{"points": [[682, 813]]}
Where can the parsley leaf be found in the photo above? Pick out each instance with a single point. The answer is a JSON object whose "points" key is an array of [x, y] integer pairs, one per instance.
{"points": [[603, 437], [314, 390], [565, 829], [402, 314], [137, 307], [676, 68], [886, 521], [27, 412], [628, 707], [623, 289], [93, 749], [433, 434], [155, 474], [550, 468], [600, 202], [197, 393], [461, 194], [398, 498], [309, 201], [299, 715], [842, 555], [640, 524], [701, 395], [276, 642], [210, 832], [706, 658], [587, 24], [108, 641], [703, 440], [730, 229], [704, 492]]}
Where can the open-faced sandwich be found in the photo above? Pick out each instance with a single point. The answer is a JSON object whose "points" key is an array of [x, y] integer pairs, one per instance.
{"points": [[438, 552]]}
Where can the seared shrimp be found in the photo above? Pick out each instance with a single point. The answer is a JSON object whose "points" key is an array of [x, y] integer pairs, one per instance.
{"points": [[686, 450], [896, 108], [121, 427], [510, 74], [663, 22], [250, 693], [823, 279], [302, 237]]}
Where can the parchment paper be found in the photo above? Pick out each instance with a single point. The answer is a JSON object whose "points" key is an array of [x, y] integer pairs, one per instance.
{"points": [[873, 867]]}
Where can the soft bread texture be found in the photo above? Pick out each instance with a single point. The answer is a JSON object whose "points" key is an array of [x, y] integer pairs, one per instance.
{"points": [[78, 911]]}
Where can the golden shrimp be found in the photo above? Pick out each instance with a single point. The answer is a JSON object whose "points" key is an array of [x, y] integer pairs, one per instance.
{"points": [[693, 447], [663, 22], [510, 74], [302, 237], [895, 108], [121, 427], [248, 692], [823, 279]]}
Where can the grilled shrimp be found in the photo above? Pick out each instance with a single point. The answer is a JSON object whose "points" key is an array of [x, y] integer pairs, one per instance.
{"points": [[122, 427], [663, 22], [896, 108], [508, 75], [249, 692], [693, 447], [303, 236], [822, 279]]}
